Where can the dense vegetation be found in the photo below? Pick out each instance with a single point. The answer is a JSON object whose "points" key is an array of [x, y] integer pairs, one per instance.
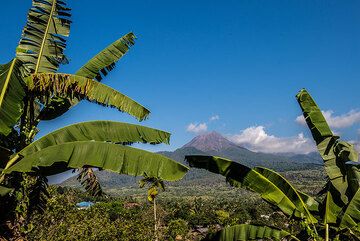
{"points": [[188, 210]]}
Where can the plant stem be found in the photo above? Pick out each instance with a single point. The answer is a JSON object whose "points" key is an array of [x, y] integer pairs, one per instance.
{"points": [[326, 232], [156, 236], [7, 80], [45, 36]]}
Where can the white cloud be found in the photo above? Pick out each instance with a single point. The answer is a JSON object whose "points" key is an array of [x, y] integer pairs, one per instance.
{"points": [[196, 128], [256, 139], [341, 121], [215, 117]]}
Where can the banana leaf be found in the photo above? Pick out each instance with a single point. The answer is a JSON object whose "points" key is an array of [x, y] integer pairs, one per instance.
{"points": [[43, 40], [344, 178], [244, 232], [109, 131], [104, 155], [272, 187], [5, 190], [12, 94], [90, 182], [46, 85], [104, 61], [351, 216], [97, 67]]}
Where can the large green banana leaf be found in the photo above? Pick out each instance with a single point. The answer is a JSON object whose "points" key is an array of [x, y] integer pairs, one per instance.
{"points": [[344, 178], [12, 94], [270, 185], [104, 61], [109, 131], [96, 67], [245, 232], [43, 41], [351, 216], [47, 85], [104, 155]]}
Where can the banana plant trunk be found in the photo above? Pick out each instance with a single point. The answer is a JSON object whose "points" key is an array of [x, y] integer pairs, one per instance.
{"points": [[326, 232]]}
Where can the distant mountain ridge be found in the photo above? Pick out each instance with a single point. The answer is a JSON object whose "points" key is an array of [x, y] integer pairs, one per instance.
{"points": [[212, 141]]}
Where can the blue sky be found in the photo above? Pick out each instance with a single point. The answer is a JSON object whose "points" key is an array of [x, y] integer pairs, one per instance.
{"points": [[242, 61]]}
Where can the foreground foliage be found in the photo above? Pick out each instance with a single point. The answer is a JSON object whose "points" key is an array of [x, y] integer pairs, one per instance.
{"points": [[31, 91], [335, 214]]}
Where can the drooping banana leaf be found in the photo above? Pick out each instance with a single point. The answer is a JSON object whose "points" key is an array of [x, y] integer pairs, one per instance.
{"points": [[97, 67], [46, 85], [90, 182], [104, 155], [344, 178], [351, 216], [272, 187], [109, 131], [43, 40], [245, 232], [12, 93]]}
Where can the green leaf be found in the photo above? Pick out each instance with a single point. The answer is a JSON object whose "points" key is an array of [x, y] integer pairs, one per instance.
{"points": [[244, 232], [90, 182], [12, 94], [318, 126], [97, 67], [55, 107], [5, 191], [104, 61], [109, 131], [344, 178], [42, 44], [270, 185], [107, 156], [46, 85], [351, 217]]}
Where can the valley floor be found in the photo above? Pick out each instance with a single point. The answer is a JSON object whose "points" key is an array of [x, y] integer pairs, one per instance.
{"points": [[187, 210]]}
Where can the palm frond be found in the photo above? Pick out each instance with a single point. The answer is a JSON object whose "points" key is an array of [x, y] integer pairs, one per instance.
{"points": [[43, 40], [46, 85]]}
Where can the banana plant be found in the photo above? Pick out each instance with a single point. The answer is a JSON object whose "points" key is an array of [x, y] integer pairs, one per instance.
{"points": [[336, 215], [32, 91], [154, 184]]}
